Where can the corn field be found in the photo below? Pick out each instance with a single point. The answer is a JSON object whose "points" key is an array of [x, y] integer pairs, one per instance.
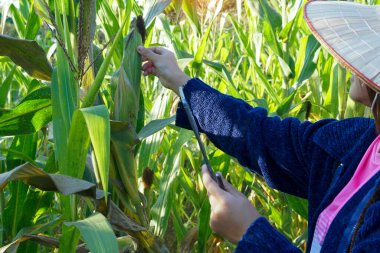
{"points": [[90, 157]]}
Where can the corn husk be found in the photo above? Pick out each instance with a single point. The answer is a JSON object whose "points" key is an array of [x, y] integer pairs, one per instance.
{"points": [[125, 115]]}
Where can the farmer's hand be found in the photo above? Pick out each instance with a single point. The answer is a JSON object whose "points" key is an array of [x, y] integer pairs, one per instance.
{"points": [[163, 64], [231, 211]]}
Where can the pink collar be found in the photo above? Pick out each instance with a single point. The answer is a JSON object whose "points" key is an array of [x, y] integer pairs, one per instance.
{"points": [[367, 168]]}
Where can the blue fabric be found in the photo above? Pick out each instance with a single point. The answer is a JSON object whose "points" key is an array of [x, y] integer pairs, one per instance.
{"points": [[299, 158]]}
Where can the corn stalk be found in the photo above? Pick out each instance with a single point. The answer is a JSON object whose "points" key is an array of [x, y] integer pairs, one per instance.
{"points": [[123, 129]]}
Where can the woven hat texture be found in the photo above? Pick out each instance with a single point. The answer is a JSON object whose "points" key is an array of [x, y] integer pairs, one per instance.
{"points": [[351, 33]]}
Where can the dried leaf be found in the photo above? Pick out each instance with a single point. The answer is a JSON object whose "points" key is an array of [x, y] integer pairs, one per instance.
{"points": [[40, 239], [189, 241], [38, 178], [120, 221]]}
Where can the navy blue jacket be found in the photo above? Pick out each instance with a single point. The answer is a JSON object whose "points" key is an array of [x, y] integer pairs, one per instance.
{"points": [[309, 160]]}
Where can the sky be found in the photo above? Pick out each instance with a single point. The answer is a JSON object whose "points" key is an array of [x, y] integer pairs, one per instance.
{"points": [[2, 2]]}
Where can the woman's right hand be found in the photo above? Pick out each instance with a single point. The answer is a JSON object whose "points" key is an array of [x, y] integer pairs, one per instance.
{"points": [[162, 63], [231, 211]]}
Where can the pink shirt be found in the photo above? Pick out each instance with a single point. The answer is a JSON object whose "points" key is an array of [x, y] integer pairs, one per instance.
{"points": [[367, 168]]}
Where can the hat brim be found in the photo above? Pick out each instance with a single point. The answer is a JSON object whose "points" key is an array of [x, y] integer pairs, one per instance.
{"points": [[351, 33]]}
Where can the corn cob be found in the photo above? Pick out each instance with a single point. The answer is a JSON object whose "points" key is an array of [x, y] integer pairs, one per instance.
{"points": [[126, 107]]}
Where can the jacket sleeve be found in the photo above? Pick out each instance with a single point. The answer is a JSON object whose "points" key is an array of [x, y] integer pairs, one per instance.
{"points": [[262, 237], [268, 146]]}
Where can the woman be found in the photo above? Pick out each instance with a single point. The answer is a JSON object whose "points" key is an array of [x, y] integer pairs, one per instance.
{"points": [[334, 164]]}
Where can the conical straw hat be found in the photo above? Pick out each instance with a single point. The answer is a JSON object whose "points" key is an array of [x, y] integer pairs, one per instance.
{"points": [[351, 33]]}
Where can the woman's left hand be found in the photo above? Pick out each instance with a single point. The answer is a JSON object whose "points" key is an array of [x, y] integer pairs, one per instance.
{"points": [[231, 211]]}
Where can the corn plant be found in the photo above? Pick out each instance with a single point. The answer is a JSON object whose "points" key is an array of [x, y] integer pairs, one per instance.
{"points": [[90, 159]]}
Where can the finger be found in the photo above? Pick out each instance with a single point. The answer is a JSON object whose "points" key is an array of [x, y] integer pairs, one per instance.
{"points": [[212, 187], [147, 72], [147, 65], [158, 50], [229, 187], [150, 71], [148, 53]]}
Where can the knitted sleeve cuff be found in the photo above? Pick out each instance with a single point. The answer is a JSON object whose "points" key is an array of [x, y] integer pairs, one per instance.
{"points": [[262, 237], [194, 85]]}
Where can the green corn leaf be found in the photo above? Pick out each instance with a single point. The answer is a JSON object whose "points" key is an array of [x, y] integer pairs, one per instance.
{"points": [[28, 55], [126, 99], [33, 112], [204, 231], [202, 48], [222, 72], [154, 126], [221, 161], [109, 20], [285, 68], [161, 209], [123, 142], [141, 113], [284, 107], [17, 155], [18, 21], [189, 8], [342, 91], [307, 54], [219, 69], [177, 6], [298, 204], [5, 86], [90, 97], [111, 26], [271, 38], [152, 144], [4, 15], [37, 202], [41, 11], [153, 8], [268, 13], [131, 58], [291, 30], [64, 102], [272, 23], [331, 102], [97, 234], [69, 239], [188, 186], [91, 123], [178, 223], [26, 144], [264, 81], [324, 69], [72, 15], [33, 26], [78, 144]]}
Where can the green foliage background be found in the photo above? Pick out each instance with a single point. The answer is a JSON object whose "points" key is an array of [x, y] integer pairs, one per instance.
{"points": [[258, 50]]}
